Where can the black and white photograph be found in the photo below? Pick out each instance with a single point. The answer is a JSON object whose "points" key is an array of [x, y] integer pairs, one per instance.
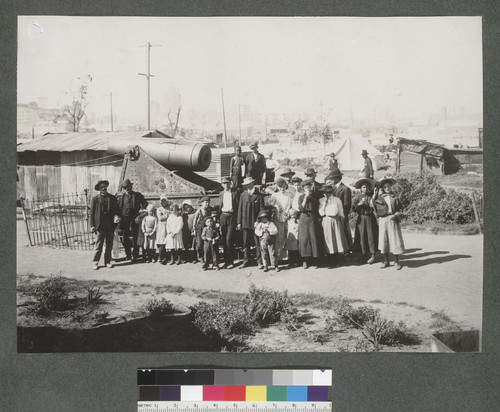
{"points": [[249, 184]]}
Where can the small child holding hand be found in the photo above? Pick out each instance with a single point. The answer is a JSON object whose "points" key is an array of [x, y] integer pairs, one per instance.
{"points": [[266, 231], [210, 236]]}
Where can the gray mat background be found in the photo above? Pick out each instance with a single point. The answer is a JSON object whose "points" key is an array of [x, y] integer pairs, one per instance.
{"points": [[361, 382]]}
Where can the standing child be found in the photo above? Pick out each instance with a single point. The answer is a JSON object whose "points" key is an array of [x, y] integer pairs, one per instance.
{"points": [[140, 234], [199, 225], [174, 235], [149, 229], [210, 236], [267, 231], [187, 229]]}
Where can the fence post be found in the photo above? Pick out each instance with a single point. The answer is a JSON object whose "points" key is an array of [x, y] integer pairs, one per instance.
{"points": [[63, 226], [26, 221]]}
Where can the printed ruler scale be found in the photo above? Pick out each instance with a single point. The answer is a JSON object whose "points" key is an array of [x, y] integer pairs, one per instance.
{"points": [[245, 390], [165, 406]]}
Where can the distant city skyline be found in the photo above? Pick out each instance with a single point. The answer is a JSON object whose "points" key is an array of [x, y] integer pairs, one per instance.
{"points": [[409, 67]]}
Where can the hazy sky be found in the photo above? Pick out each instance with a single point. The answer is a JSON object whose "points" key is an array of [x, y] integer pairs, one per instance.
{"points": [[409, 66]]}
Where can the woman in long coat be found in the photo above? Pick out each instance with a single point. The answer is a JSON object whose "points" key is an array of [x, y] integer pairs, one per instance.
{"points": [[330, 208], [310, 232], [292, 239], [366, 223], [281, 200], [388, 209], [161, 230]]}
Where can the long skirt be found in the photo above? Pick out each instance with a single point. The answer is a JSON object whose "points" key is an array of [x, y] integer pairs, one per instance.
{"points": [[292, 238], [311, 239], [390, 238], [335, 241], [367, 228], [280, 244]]}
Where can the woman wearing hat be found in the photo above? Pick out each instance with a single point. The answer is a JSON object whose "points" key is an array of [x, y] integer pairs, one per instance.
{"points": [[388, 209], [281, 201], [330, 208], [187, 228], [292, 240], [310, 231], [366, 223], [161, 230]]}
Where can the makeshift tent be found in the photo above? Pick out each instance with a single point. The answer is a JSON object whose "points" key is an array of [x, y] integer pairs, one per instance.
{"points": [[348, 154]]}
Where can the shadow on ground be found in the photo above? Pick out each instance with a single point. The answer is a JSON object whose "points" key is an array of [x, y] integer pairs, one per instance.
{"points": [[169, 334]]}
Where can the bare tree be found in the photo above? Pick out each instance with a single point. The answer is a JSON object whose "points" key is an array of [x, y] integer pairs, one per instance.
{"points": [[75, 111], [173, 126]]}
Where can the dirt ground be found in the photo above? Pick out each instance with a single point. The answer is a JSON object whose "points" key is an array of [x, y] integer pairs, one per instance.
{"points": [[439, 273]]}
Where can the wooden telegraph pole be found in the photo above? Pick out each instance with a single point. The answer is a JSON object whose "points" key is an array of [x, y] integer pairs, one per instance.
{"points": [[148, 76], [224, 117]]}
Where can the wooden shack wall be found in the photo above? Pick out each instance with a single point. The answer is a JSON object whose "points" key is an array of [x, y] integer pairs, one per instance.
{"points": [[50, 174]]}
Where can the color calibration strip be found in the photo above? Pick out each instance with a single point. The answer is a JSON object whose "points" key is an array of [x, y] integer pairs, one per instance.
{"points": [[252, 393], [238, 377]]}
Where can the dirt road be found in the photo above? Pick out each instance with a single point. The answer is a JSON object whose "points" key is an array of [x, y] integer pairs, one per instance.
{"points": [[439, 272]]}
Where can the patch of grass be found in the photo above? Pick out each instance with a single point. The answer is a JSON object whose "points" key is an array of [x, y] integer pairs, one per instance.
{"points": [[376, 301], [402, 304], [442, 322]]}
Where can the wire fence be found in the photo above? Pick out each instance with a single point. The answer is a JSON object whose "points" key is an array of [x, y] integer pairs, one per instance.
{"points": [[59, 222]]}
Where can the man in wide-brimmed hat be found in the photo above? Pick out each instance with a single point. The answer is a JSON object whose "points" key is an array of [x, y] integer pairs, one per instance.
{"points": [[332, 163], [104, 215], [130, 203], [316, 189], [368, 167], [255, 164], [229, 200], [344, 194], [250, 205], [237, 168]]}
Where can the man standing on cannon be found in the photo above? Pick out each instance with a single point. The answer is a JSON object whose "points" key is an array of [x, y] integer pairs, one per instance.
{"points": [[237, 168], [130, 203], [256, 165]]}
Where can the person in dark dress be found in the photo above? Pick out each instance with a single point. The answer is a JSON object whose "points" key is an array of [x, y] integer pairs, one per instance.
{"points": [[104, 214], [130, 203], [250, 205], [310, 232], [344, 194], [366, 234]]}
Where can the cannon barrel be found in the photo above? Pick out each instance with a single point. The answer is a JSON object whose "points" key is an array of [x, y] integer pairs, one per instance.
{"points": [[174, 154]]}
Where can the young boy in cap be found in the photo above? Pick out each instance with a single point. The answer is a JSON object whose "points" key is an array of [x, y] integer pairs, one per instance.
{"points": [[210, 236], [267, 231], [200, 215], [104, 214]]}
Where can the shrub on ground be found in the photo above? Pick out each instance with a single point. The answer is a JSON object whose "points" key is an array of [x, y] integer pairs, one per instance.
{"points": [[158, 307], [424, 200], [50, 295], [266, 306], [225, 321]]}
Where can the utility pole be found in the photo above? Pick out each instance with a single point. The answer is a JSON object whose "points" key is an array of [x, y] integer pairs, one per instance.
{"points": [[224, 117], [148, 76], [239, 120], [111, 99]]}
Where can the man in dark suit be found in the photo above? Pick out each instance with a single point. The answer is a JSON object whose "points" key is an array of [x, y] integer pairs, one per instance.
{"points": [[368, 166], [104, 214], [316, 189], [256, 165], [251, 203], [344, 194], [130, 203], [229, 200]]}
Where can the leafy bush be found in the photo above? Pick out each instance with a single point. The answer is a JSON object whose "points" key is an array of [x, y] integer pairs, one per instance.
{"points": [[267, 306], [425, 200], [356, 317], [158, 307], [225, 321], [50, 295]]}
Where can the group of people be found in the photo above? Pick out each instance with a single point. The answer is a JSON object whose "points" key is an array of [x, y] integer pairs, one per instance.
{"points": [[291, 221]]}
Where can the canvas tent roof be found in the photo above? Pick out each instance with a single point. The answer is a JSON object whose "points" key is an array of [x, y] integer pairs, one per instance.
{"points": [[348, 154]]}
